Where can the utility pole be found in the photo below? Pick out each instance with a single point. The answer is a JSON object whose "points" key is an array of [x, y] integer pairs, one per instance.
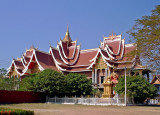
{"points": [[125, 89]]}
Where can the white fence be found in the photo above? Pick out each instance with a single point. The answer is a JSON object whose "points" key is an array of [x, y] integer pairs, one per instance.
{"points": [[95, 101], [153, 101], [87, 101]]}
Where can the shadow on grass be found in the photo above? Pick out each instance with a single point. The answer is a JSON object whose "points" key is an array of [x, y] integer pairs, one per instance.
{"points": [[151, 105]]}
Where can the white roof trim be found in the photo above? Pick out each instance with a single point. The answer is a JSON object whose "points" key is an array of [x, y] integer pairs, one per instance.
{"points": [[99, 51], [67, 48], [118, 49], [40, 67], [122, 50], [26, 68], [89, 50], [95, 56], [9, 69], [16, 68], [65, 61], [74, 50], [104, 59], [61, 55], [129, 45], [24, 59], [63, 50], [76, 57], [79, 71], [23, 62], [78, 65], [54, 57], [56, 62], [106, 49], [104, 56]]}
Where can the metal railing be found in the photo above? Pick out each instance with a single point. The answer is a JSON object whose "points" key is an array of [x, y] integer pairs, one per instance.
{"points": [[153, 101], [96, 101], [87, 101]]}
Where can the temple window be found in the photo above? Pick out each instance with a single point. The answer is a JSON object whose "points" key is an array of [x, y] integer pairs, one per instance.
{"points": [[102, 79]]}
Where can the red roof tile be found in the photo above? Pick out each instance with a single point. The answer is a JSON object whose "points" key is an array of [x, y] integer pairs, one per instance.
{"points": [[19, 64], [45, 60]]}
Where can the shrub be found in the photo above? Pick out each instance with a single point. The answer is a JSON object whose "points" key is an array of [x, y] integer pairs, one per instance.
{"points": [[7, 111]]}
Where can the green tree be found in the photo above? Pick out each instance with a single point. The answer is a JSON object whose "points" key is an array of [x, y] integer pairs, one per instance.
{"points": [[137, 88], [78, 84], [51, 82], [28, 83], [146, 34], [3, 71], [8, 83], [56, 84]]}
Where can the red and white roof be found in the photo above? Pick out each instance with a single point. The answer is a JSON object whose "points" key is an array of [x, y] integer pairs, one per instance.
{"points": [[68, 57]]}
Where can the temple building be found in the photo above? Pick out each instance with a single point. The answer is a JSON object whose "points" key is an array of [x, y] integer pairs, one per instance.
{"points": [[156, 82], [109, 59]]}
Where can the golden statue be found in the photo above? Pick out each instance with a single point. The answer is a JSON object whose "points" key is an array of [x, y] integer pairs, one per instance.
{"points": [[108, 88]]}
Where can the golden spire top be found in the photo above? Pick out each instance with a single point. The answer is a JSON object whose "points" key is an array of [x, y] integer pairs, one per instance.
{"points": [[67, 30], [112, 36], [67, 37]]}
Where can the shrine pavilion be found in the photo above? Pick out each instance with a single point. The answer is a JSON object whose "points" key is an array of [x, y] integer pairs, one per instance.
{"points": [[109, 59]]}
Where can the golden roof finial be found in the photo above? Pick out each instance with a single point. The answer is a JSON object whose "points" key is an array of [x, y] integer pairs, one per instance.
{"points": [[112, 36], [67, 30], [32, 47], [67, 37]]}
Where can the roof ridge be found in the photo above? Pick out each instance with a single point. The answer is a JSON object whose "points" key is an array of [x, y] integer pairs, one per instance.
{"points": [[89, 49], [42, 51]]}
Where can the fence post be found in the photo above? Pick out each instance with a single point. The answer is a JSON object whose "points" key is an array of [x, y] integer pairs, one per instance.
{"points": [[65, 99], [47, 99], [55, 99], [75, 100], [117, 100]]}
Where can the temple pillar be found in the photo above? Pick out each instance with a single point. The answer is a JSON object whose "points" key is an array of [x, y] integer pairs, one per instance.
{"points": [[95, 76], [109, 71], [106, 72], [92, 76], [140, 72]]}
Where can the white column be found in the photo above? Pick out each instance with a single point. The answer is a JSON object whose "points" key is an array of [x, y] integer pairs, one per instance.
{"points": [[106, 72], [125, 88], [109, 71], [92, 77], [95, 76]]}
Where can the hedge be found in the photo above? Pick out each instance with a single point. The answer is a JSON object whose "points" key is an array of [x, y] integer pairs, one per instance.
{"points": [[8, 111]]}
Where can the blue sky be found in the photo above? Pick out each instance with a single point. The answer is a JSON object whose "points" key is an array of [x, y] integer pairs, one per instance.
{"points": [[40, 22]]}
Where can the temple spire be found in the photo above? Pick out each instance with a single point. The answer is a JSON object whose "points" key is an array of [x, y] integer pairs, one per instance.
{"points": [[67, 30], [67, 37]]}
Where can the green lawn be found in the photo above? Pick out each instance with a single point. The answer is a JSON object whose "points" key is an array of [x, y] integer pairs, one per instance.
{"points": [[64, 109]]}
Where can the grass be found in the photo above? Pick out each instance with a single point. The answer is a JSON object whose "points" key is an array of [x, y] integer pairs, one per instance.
{"points": [[83, 109], [60, 106]]}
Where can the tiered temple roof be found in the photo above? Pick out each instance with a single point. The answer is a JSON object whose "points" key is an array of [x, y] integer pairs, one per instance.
{"points": [[68, 57]]}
